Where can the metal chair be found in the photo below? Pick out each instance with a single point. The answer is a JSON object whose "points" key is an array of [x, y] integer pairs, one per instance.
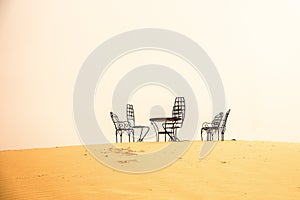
{"points": [[223, 126], [121, 127], [171, 127], [131, 120], [213, 127]]}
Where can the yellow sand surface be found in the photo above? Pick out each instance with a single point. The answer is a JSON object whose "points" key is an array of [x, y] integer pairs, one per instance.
{"points": [[233, 170]]}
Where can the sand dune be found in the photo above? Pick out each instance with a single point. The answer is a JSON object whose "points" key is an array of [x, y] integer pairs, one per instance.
{"points": [[233, 170]]}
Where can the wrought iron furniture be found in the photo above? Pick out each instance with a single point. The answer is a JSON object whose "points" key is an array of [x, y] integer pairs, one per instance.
{"points": [[213, 127], [121, 127], [164, 120], [131, 120], [171, 124], [223, 126]]}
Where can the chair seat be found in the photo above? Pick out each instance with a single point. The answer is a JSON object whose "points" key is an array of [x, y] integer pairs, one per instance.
{"points": [[163, 132], [206, 128]]}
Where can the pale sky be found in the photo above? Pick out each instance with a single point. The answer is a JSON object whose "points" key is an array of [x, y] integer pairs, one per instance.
{"points": [[254, 44]]}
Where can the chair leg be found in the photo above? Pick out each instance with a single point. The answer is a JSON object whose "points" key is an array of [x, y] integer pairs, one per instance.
{"points": [[116, 137], [156, 130], [222, 136], [143, 136], [201, 134], [140, 138], [175, 135], [133, 136], [175, 138]]}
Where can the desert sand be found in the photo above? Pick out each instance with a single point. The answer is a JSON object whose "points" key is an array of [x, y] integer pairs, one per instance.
{"points": [[233, 170]]}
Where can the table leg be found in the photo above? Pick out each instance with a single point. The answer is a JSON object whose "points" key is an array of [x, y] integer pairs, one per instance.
{"points": [[155, 129]]}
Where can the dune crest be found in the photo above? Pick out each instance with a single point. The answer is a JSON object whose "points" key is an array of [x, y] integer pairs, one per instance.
{"points": [[232, 170]]}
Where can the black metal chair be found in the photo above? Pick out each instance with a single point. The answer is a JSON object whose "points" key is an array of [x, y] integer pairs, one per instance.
{"points": [[121, 127], [213, 127], [131, 120], [223, 126], [171, 126]]}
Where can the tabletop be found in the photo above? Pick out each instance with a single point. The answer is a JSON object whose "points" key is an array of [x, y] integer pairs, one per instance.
{"points": [[163, 119]]}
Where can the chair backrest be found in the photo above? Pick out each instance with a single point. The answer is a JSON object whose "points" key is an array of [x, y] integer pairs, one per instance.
{"points": [[114, 118], [225, 120], [179, 110], [130, 114], [217, 120]]}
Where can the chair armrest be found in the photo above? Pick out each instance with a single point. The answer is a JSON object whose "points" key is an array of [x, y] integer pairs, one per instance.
{"points": [[123, 124], [206, 124]]}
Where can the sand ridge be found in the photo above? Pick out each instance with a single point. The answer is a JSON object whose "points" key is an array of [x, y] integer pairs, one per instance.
{"points": [[233, 170]]}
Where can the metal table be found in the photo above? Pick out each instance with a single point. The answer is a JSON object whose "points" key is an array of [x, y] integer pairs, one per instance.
{"points": [[154, 122]]}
